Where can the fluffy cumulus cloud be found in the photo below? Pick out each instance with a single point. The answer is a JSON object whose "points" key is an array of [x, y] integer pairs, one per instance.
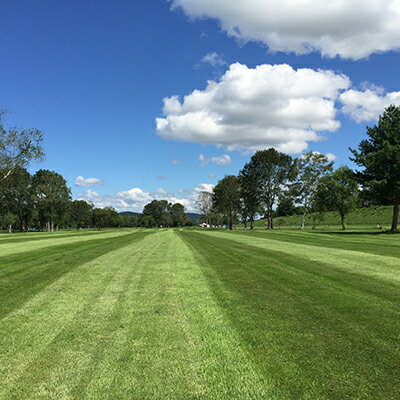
{"points": [[366, 105], [225, 159], [254, 108], [80, 181], [135, 199], [351, 28]]}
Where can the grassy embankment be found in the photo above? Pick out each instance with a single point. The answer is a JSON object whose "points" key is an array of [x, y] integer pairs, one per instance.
{"points": [[186, 314]]}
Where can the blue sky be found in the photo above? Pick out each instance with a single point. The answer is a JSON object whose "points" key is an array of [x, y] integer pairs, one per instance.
{"points": [[93, 75]]}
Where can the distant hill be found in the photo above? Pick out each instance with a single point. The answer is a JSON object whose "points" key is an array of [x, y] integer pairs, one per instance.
{"points": [[129, 214], [194, 217]]}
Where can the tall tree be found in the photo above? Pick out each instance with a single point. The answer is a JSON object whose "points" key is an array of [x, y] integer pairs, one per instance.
{"points": [[379, 156], [226, 198], [160, 210], [18, 147], [204, 204], [178, 215], [249, 194], [16, 198], [81, 213], [311, 167], [274, 171], [337, 191], [52, 197]]}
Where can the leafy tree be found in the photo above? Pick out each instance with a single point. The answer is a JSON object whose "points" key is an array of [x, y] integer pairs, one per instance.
{"points": [[338, 191], [81, 213], [379, 156], [106, 218], [160, 211], [178, 215], [18, 147], [274, 171], [204, 204], [226, 198], [52, 197], [311, 167], [285, 207], [147, 221], [249, 194], [16, 198]]}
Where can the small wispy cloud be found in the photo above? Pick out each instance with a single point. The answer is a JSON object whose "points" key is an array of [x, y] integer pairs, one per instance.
{"points": [[214, 59], [225, 159], [175, 162], [80, 181]]}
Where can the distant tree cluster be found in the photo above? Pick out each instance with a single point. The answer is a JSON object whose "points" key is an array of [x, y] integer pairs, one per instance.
{"points": [[275, 184]]}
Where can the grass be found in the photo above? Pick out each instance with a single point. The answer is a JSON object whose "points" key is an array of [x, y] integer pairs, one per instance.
{"points": [[368, 218], [190, 314]]}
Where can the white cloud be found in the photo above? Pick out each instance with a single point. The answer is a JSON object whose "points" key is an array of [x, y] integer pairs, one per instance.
{"points": [[214, 59], [218, 160], [212, 175], [351, 28], [135, 199], [256, 108], [367, 105], [331, 156], [175, 162], [80, 181]]}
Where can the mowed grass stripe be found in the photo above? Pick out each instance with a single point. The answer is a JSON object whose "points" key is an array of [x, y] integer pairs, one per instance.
{"points": [[28, 245], [311, 336], [366, 265], [387, 245], [37, 236], [63, 329], [25, 274]]}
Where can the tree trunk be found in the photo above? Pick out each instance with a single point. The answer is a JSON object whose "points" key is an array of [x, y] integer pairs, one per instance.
{"points": [[342, 222], [245, 223], [230, 222], [270, 222], [303, 220], [251, 224], [395, 218], [9, 229]]}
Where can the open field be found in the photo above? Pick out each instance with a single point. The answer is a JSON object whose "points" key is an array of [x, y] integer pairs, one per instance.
{"points": [[190, 314]]}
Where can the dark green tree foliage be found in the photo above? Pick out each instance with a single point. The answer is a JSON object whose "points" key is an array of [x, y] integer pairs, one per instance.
{"points": [[160, 211], [285, 207], [249, 194], [311, 167], [178, 215], [379, 156], [274, 172], [226, 198], [106, 218], [338, 191], [16, 206], [80, 212], [52, 197], [18, 147]]}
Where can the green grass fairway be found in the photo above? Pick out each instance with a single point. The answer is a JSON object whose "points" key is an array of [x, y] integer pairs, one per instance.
{"points": [[191, 314]]}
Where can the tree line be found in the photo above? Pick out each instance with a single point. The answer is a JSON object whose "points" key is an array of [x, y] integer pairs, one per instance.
{"points": [[274, 183], [43, 201]]}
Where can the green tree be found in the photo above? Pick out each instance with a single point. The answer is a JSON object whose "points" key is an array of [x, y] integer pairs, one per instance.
{"points": [[52, 197], [337, 191], [311, 167], [105, 218], [160, 210], [285, 207], [81, 213], [16, 198], [249, 194], [379, 156], [178, 215], [18, 147], [226, 198], [274, 172]]}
